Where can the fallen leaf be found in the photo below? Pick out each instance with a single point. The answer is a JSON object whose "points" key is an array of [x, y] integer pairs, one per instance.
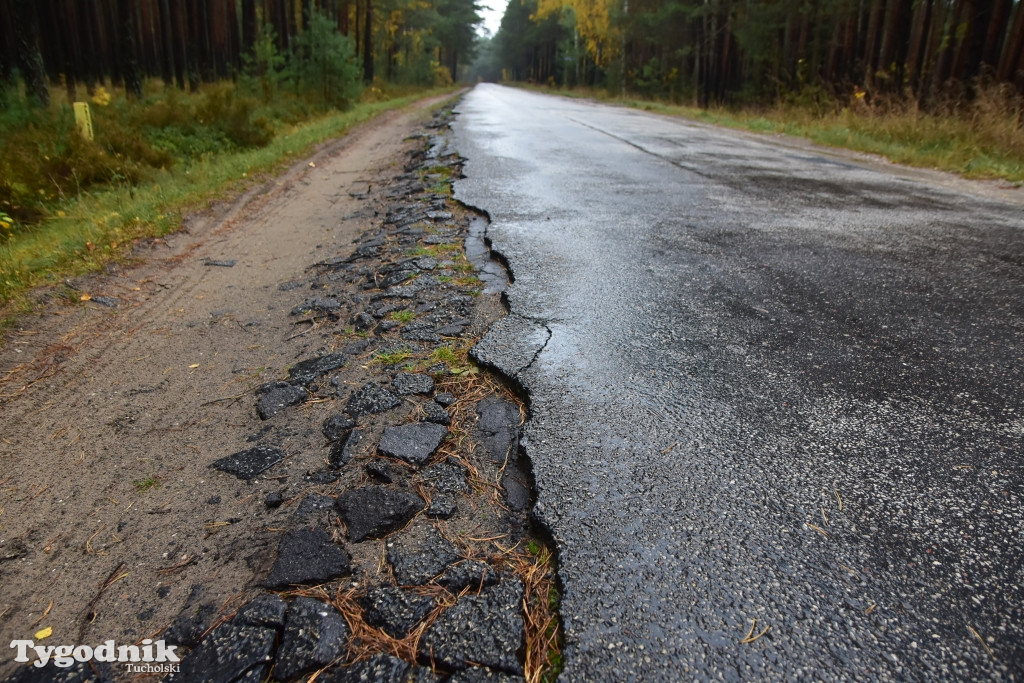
{"points": [[312, 165], [193, 366], [86, 297], [44, 633]]}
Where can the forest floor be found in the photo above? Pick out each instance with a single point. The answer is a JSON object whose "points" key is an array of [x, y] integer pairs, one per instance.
{"points": [[113, 524]]}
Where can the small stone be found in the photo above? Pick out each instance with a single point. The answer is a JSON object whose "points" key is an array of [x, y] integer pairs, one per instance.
{"points": [[417, 562], [273, 500], [307, 556], [484, 629], [413, 443], [432, 412], [406, 383], [108, 301], [371, 398], [213, 500], [250, 463], [374, 511], [445, 399], [225, 263], [394, 610], [442, 506], [337, 427], [306, 371], [279, 397], [314, 636]]}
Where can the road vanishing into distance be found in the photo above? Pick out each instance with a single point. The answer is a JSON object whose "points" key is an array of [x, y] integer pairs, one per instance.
{"points": [[774, 390]]}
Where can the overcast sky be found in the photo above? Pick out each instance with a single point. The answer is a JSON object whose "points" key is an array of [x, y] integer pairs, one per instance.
{"points": [[492, 17]]}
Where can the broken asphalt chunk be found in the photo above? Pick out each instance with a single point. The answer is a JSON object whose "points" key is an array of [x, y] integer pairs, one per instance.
{"points": [[375, 511], [278, 397], [306, 371], [482, 629], [413, 443], [307, 556], [249, 463], [371, 398], [314, 636]]}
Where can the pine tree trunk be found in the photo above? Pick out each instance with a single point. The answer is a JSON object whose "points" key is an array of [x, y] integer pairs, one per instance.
{"points": [[126, 47], [368, 44], [27, 53]]}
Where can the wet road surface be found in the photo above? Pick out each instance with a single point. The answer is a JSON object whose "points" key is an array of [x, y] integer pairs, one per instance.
{"points": [[767, 383]]}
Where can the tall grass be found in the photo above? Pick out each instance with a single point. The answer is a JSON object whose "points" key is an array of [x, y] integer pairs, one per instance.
{"points": [[97, 226]]}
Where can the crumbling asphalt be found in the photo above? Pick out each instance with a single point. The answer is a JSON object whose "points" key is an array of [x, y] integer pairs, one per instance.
{"points": [[400, 539], [775, 396]]}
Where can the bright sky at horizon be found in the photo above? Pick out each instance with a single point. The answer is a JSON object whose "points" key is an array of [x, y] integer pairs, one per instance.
{"points": [[492, 11]]}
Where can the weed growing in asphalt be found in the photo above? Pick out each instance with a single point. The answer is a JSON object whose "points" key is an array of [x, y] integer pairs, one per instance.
{"points": [[392, 358], [402, 316]]}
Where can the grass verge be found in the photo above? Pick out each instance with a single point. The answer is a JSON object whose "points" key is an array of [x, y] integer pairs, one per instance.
{"points": [[98, 227], [982, 139]]}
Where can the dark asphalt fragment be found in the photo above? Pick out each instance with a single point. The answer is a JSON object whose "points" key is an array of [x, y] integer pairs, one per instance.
{"points": [[394, 610], [343, 451], [308, 370], [482, 629], [278, 397], [307, 556], [406, 383], [371, 398], [375, 511], [433, 412], [249, 463], [230, 653], [225, 263], [413, 443], [266, 609], [314, 634], [417, 556], [442, 506], [337, 427]]}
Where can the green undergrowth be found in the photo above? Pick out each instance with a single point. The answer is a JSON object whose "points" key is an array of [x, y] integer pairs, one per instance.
{"points": [[73, 230], [980, 139]]}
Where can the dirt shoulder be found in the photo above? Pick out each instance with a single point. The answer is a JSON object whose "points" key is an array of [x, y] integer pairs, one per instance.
{"points": [[114, 524]]}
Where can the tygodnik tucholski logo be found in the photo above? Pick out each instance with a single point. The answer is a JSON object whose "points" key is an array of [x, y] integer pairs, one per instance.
{"points": [[149, 657]]}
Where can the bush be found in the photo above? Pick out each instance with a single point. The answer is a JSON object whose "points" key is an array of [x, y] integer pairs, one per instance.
{"points": [[324, 64]]}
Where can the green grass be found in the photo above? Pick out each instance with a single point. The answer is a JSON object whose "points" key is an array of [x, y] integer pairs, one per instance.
{"points": [[143, 485], [393, 358], [402, 316], [98, 227], [981, 139]]}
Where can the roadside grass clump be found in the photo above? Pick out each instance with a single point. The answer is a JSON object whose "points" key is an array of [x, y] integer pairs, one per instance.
{"points": [[403, 316], [980, 137]]}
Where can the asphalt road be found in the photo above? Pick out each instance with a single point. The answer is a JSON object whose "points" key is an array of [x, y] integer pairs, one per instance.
{"points": [[767, 382]]}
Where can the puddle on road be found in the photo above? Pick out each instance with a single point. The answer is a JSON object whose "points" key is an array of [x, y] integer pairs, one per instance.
{"points": [[491, 272]]}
